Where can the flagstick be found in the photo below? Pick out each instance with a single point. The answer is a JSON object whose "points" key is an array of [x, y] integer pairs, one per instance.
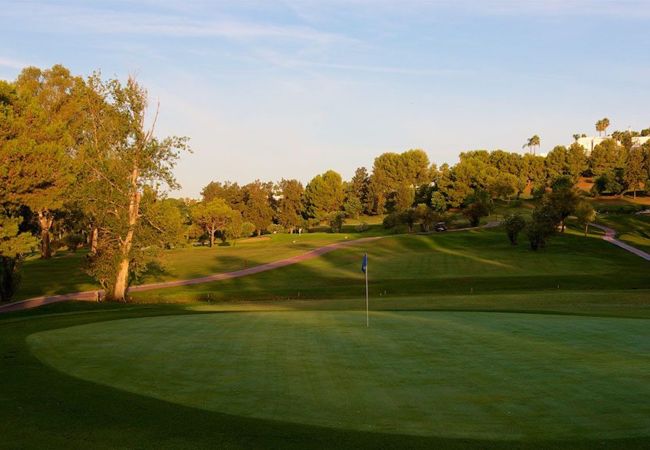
{"points": [[367, 309]]}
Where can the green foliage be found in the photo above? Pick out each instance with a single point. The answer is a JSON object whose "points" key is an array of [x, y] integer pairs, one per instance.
{"points": [[214, 216], [13, 246], [290, 205], [336, 221], [257, 207], [73, 241], [563, 199], [606, 156], [231, 192], [542, 226], [477, 205], [324, 195], [585, 214], [514, 224], [438, 202], [352, 206]]}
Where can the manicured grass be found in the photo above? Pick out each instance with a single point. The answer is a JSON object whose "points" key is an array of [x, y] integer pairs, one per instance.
{"points": [[446, 374], [41, 407], [476, 262], [631, 228], [65, 273]]}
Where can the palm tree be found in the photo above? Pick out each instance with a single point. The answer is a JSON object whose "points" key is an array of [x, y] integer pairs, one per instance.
{"points": [[602, 125], [533, 142]]}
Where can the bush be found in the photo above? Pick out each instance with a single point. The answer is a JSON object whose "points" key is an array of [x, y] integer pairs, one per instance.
{"points": [[363, 226], [336, 221], [392, 220], [74, 241], [275, 228], [514, 224]]}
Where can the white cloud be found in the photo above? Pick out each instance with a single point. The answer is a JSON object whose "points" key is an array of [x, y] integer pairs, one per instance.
{"points": [[67, 18]]}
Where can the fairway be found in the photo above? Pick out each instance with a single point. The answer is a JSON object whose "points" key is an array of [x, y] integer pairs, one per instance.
{"points": [[449, 374]]}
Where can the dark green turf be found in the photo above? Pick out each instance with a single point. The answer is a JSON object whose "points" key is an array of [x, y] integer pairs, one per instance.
{"points": [[43, 408], [445, 374]]}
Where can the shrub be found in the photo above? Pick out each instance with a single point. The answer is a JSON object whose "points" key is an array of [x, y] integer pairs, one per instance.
{"points": [[336, 221], [363, 226], [74, 241], [275, 228], [514, 224]]}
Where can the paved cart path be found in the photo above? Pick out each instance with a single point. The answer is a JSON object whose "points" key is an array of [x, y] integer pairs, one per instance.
{"points": [[610, 236], [92, 295]]}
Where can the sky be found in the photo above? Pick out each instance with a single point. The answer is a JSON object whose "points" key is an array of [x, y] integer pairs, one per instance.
{"points": [[291, 88]]}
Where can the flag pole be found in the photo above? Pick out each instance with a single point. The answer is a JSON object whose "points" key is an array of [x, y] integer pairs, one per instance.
{"points": [[367, 309]]}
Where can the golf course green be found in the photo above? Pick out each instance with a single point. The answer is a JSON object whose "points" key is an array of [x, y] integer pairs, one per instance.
{"points": [[493, 376]]}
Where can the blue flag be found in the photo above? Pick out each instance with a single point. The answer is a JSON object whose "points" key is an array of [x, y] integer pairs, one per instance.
{"points": [[364, 263]]}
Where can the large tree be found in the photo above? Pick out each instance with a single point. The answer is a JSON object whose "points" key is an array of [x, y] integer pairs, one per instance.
{"points": [[230, 191], [634, 173], [213, 216], [324, 195], [257, 205], [606, 156], [120, 158], [13, 246], [40, 133], [290, 205]]}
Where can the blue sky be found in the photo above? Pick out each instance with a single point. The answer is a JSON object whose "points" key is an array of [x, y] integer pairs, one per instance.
{"points": [[273, 89]]}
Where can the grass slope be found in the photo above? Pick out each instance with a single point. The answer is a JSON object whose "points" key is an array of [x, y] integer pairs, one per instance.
{"points": [[477, 263], [64, 273]]}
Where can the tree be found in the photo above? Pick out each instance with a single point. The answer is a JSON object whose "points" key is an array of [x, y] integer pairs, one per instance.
{"points": [[438, 202], [602, 125], [478, 205], [13, 246], [504, 186], [336, 220], [606, 156], [359, 186], [402, 198], [607, 183], [634, 170], [576, 160], [290, 205], [563, 200], [514, 223], [324, 195], [257, 207], [542, 225], [236, 227], [231, 192], [42, 128], [352, 206], [556, 162], [213, 216], [534, 170], [118, 159], [533, 143], [585, 214]]}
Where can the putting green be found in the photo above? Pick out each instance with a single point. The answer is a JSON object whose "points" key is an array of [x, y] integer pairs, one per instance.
{"points": [[454, 374]]}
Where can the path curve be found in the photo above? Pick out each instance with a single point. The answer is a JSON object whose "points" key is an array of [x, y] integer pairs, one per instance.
{"points": [[92, 295], [610, 236]]}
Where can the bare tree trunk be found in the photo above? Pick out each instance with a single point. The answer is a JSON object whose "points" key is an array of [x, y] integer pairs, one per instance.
{"points": [[94, 236], [586, 228], [122, 278], [211, 238], [45, 221]]}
